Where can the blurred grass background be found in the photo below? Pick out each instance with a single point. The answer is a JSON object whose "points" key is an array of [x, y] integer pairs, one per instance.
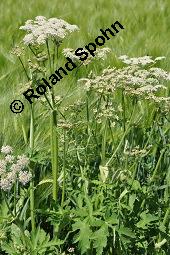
{"points": [[147, 32]]}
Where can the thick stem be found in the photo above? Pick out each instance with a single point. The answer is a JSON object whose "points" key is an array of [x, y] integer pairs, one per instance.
{"points": [[64, 170], [54, 153], [54, 135], [32, 206]]}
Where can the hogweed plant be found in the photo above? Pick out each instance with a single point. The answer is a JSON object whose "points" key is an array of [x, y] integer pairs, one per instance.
{"points": [[42, 34], [109, 155], [43, 31]]}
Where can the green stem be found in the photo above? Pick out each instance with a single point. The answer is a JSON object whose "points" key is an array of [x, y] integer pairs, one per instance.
{"points": [[166, 216], [87, 112], [49, 56], [157, 166], [124, 115], [54, 153], [15, 193], [24, 68], [64, 170], [122, 140], [118, 147], [154, 174], [104, 144], [54, 135], [6, 201], [32, 206]]}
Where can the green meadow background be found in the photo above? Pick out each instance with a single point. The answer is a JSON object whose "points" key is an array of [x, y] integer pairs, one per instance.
{"points": [[147, 32]]}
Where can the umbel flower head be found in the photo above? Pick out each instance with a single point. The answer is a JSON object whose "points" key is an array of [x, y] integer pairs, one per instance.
{"points": [[100, 54], [41, 29], [134, 79], [6, 149], [13, 169], [146, 60]]}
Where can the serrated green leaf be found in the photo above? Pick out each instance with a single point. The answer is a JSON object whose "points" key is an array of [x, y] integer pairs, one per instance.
{"points": [[126, 231], [100, 239], [146, 219], [84, 235]]}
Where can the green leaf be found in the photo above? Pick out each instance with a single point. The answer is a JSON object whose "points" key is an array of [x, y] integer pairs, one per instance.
{"points": [[84, 235], [126, 231], [136, 185], [160, 244], [100, 239], [104, 172], [123, 194], [113, 219], [8, 248], [45, 181], [132, 199], [16, 234], [146, 219]]}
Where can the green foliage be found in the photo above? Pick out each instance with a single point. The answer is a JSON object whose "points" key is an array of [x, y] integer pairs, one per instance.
{"points": [[25, 243], [100, 239]]}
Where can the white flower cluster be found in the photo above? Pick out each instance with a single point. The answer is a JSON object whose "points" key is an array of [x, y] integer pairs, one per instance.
{"points": [[13, 168], [40, 29], [6, 149], [140, 60], [102, 53], [68, 52], [133, 79], [99, 54]]}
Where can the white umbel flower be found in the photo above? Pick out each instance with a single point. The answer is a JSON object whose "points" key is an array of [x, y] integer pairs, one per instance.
{"points": [[99, 54], [22, 161], [24, 177], [2, 167], [6, 149], [102, 53], [5, 184], [68, 52], [13, 169], [9, 158], [41, 29], [137, 61], [16, 168]]}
